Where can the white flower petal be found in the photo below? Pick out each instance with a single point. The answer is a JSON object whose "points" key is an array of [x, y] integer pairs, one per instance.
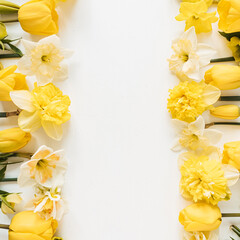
{"points": [[190, 34], [42, 152], [54, 39], [40, 206], [179, 125], [176, 145], [205, 54], [24, 65], [29, 121], [211, 94], [231, 174], [212, 135], [67, 53], [197, 127], [29, 46], [23, 99], [24, 178], [53, 130], [62, 74]]}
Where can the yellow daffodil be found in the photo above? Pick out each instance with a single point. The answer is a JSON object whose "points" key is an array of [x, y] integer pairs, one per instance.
{"points": [[45, 106], [46, 168], [8, 202], [13, 139], [188, 100], [231, 154], [48, 203], [189, 56], [224, 77], [195, 14], [39, 17], [226, 111], [200, 236], [200, 217], [45, 60], [203, 179], [229, 15], [9, 81], [194, 135], [208, 2], [234, 45], [28, 225]]}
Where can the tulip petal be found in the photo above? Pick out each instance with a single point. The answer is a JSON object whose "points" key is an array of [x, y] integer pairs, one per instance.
{"points": [[29, 121], [211, 95], [53, 130], [23, 99], [25, 236], [231, 174]]}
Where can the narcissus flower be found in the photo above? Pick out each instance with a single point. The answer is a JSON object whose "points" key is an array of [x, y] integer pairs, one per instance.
{"points": [[203, 179], [229, 15], [45, 106], [13, 139], [48, 203], [189, 56], [8, 201], [200, 236], [46, 168], [39, 17], [231, 154], [45, 60], [195, 14], [226, 111], [9, 81], [188, 100], [224, 77], [200, 217], [234, 45], [193, 135], [28, 225]]}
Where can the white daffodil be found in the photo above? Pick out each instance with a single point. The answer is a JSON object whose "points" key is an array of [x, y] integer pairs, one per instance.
{"points": [[194, 135], [45, 60], [200, 236], [46, 168], [189, 56], [48, 203]]}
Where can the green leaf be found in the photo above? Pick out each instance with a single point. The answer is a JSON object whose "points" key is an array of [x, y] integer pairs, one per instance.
{"points": [[15, 49], [2, 172], [228, 36], [4, 192]]}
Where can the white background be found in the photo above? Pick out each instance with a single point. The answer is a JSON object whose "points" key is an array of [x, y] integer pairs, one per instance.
{"points": [[122, 181]]}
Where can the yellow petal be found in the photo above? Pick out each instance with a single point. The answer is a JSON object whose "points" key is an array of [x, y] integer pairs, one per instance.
{"points": [[29, 121], [53, 130]]}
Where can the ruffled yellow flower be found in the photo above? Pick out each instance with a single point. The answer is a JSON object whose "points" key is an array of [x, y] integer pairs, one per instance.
{"points": [[39, 17], [231, 154], [203, 180], [208, 2], [45, 106], [188, 100], [229, 15], [200, 217], [224, 77], [9, 81], [13, 139], [226, 111], [9, 201], [28, 225], [234, 45], [195, 14]]}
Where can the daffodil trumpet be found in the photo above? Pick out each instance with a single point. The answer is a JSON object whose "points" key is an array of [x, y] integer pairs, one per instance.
{"points": [[235, 229], [225, 59], [10, 114]]}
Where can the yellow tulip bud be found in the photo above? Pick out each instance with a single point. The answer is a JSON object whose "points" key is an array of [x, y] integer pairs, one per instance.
{"points": [[200, 217], [224, 77], [3, 31], [28, 225], [228, 15], [39, 17], [9, 81], [231, 154], [226, 112], [13, 139]]}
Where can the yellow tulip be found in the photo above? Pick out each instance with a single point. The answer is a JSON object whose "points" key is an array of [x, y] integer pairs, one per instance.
{"points": [[3, 31], [10, 81], [200, 217], [231, 154], [226, 112], [13, 139], [39, 17], [28, 225], [229, 13], [224, 77]]}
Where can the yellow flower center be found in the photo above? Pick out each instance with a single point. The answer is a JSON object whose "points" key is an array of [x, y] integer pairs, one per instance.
{"points": [[45, 58]]}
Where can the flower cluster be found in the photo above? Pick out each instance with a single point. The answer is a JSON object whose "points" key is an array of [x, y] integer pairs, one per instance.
{"points": [[207, 173]]}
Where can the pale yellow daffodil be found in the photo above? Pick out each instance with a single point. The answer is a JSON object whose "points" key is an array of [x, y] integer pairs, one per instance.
{"points": [[193, 135], [196, 15], [46, 168], [45, 106]]}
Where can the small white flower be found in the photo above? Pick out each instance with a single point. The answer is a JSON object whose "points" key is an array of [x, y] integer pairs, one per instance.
{"points": [[189, 56], [46, 168], [48, 203], [194, 135], [45, 60]]}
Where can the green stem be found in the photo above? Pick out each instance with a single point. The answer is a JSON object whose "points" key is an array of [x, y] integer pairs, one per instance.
{"points": [[4, 226], [9, 180], [221, 123], [226, 59], [9, 114], [235, 229], [229, 98], [230, 214]]}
